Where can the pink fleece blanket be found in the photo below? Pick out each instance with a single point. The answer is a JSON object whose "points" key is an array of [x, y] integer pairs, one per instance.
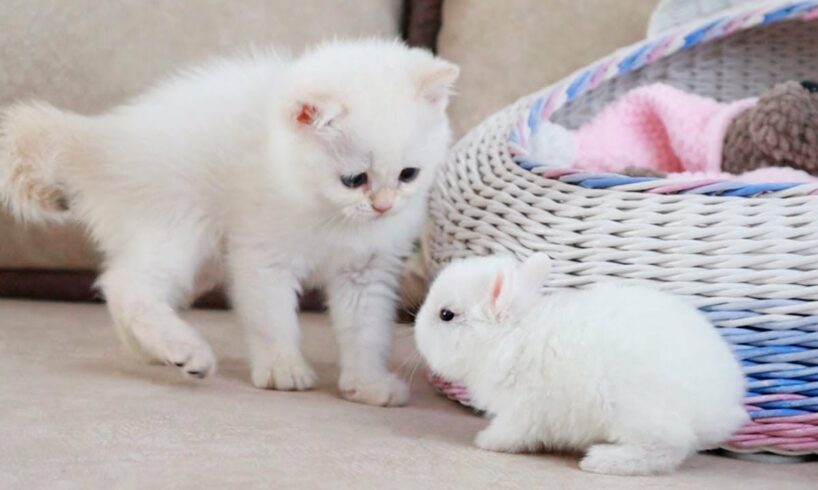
{"points": [[669, 130]]}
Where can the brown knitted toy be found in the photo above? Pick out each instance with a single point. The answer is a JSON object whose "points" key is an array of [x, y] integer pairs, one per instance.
{"points": [[781, 130]]}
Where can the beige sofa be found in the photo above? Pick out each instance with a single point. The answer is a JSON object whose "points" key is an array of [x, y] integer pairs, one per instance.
{"points": [[74, 413], [87, 55]]}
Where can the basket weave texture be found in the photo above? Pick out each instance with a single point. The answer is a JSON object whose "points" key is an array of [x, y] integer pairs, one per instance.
{"points": [[746, 254]]}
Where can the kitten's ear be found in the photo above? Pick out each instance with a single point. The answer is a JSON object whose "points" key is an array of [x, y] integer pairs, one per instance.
{"points": [[317, 112], [437, 80]]}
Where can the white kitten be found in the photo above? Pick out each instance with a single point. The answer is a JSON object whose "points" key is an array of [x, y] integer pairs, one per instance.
{"points": [[635, 377], [313, 170]]}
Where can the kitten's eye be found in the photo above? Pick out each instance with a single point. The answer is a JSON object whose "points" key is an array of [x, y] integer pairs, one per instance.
{"points": [[353, 181], [409, 174], [446, 315]]}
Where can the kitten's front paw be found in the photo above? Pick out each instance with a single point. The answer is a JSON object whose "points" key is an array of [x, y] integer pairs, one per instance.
{"points": [[387, 390], [191, 354], [288, 374]]}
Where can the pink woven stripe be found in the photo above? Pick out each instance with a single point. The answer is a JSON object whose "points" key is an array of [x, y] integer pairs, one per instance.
{"points": [[784, 430], [739, 21], [683, 186], [600, 74], [551, 104], [523, 129], [772, 398], [555, 173], [806, 443], [661, 49]]}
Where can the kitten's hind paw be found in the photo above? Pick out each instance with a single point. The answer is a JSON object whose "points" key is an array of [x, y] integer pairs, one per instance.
{"points": [[387, 390], [290, 374]]}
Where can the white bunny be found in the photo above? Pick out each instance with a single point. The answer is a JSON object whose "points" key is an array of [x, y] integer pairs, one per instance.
{"points": [[636, 378]]}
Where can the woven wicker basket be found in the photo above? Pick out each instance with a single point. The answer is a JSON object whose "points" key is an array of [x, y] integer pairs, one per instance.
{"points": [[747, 255]]}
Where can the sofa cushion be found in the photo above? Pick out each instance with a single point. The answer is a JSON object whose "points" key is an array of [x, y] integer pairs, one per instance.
{"points": [[87, 55], [511, 48]]}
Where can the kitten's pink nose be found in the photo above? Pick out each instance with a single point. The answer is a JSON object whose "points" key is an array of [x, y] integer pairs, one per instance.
{"points": [[381, 209], [382, 201]]}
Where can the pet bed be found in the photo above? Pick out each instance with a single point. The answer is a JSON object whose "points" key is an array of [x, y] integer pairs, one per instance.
{"points": [[745, 253]]}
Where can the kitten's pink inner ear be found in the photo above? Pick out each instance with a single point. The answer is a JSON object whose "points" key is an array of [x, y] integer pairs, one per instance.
{"points": [[436, 86], [307, 114]]}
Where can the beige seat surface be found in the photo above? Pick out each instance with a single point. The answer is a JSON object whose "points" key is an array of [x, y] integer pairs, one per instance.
{"points": [[74, 413], [511, 48]]}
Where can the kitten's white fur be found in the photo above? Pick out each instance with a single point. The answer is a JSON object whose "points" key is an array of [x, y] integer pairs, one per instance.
{"points": [[236, 165], [635, 377]]}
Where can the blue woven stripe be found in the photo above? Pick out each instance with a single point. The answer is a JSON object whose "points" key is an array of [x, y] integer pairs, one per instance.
{"points": [[534, 115], [717, 316], [804, 323], [790, 11], [806, 404], [700, 35], [612, 181], [636, 59], [579, 85], [780, 412], [774, 337], [529, 165], [805, 373], [746, 352], [755, 189], [778, 386]]}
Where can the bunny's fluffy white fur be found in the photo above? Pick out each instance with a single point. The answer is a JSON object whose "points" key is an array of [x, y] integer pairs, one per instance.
{"points": [[636, 378], [236, 166]]}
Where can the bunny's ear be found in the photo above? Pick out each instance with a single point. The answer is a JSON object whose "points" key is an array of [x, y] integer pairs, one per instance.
{"points": [[514, 289], [503, 289], [534, 271]]}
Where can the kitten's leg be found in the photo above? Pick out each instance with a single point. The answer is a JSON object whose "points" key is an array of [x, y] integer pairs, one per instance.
{"points": [[266, 300], [647, 442], [362, 305], [142, 290], [508, 432]]}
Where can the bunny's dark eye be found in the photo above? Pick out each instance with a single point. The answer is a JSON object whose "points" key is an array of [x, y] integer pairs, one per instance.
{"points": [[409, 174], [446, 315], [354, 181], [812, 87]]}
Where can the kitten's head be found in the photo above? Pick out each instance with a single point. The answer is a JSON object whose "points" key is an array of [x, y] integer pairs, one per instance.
{"points": [[471, 304], [368, 120]]}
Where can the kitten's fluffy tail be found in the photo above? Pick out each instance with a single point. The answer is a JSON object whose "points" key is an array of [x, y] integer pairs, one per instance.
{"points": [[37, 140]]}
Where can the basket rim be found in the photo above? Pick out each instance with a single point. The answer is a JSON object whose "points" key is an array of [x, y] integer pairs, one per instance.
{"points": [[541, 105]]}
